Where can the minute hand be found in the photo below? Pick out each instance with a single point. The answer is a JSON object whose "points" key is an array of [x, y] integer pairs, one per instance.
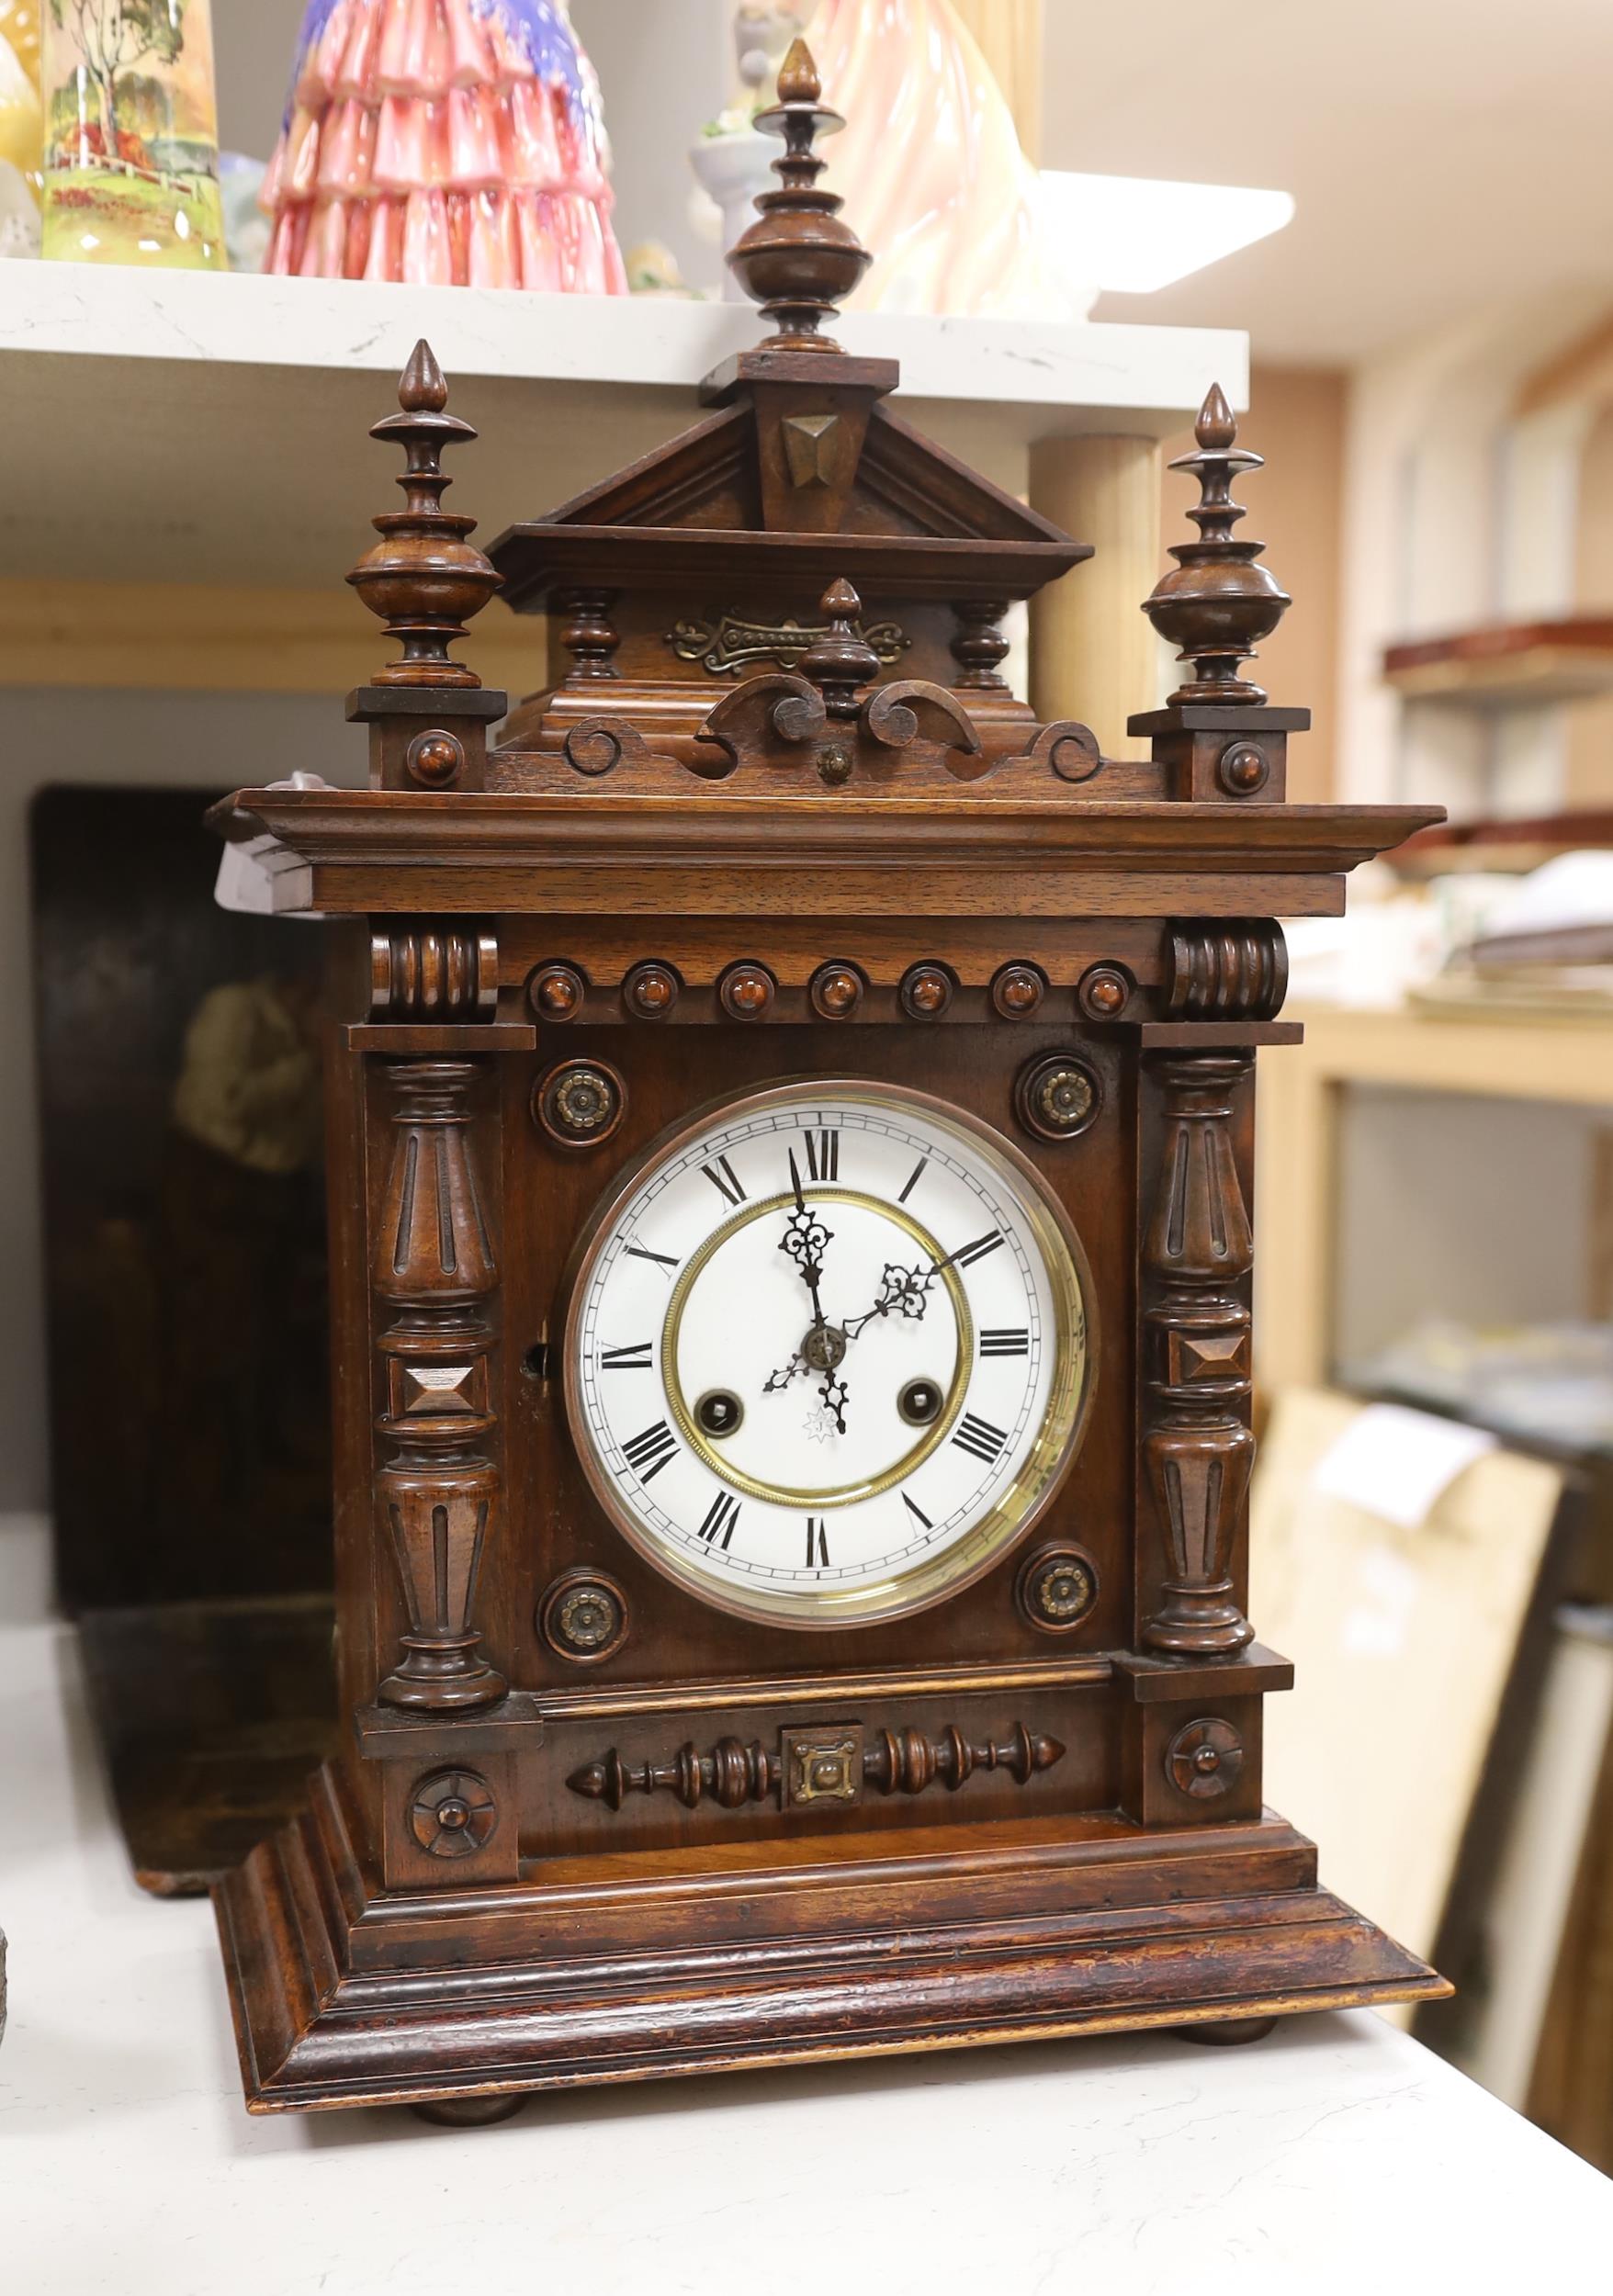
{"points": [[907, 1289]]}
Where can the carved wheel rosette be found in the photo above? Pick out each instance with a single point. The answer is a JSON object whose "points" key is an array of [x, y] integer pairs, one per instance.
{"points": [[452, 1814], [1203, 1758]]}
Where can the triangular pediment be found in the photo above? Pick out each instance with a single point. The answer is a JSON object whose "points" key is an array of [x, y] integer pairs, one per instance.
{"points": [[708, 476], [909, 476], [704, 477]]}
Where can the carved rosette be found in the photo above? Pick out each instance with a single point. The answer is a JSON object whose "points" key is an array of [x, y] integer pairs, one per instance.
{"points": [[1197, 1448], [438, 1491]]}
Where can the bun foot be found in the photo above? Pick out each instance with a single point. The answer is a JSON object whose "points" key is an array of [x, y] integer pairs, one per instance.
{"points": [[1225, 2032], [469, 2113]]}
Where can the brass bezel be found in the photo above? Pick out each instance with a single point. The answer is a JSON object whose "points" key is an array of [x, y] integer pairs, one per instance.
{"points": [[1043, 1467]]}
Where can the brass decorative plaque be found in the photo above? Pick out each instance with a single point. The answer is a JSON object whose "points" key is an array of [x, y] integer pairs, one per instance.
{"points": [[725, 643], [823, 1765]]}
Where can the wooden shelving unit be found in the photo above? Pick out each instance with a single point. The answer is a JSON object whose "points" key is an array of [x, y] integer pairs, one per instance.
{"points": [[1512, 665], [1567, 1060]]}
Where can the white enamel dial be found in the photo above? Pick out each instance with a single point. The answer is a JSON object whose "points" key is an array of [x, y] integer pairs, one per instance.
{"points": [[827, 1353]]}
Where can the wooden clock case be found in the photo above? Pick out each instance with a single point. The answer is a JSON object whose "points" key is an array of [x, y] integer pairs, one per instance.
{"points": [[778, 815]]}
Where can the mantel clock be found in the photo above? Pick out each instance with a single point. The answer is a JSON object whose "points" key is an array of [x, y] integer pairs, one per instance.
{"points": [[791, 1122]]}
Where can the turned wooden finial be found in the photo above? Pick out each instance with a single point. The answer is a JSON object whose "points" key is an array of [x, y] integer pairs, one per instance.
{"points": [[842, 660], [1217, 605], [798, 80], [423, 579], [798, 260]]}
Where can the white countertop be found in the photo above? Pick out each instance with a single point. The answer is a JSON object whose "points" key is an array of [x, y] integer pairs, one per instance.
{"points": [[1336, 2155], [187, 428]]}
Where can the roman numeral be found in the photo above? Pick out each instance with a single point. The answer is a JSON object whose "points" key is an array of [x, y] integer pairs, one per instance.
{"points": [[660, 1259], [725, 1179], [720, 1518], [633, 1359], [914, 1177], [981, 1438], [648, 1453], [1005, 1342], [978, 1250], [915, 1509], [823, 1155], [816, 1544]]}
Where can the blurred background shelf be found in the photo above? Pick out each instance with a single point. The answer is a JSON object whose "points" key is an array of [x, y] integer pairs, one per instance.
{"points": [[1454, 1211], [1565, 657]]}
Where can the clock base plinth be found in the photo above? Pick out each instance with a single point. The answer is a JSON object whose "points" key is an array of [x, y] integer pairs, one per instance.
{"points": [[344, 1993]]}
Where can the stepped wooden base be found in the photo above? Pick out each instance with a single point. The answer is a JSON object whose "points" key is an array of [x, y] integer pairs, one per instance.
{"points": [[633, 1969]]}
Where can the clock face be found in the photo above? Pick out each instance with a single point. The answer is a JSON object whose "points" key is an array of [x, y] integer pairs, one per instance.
{"points": [[827, 1353]]}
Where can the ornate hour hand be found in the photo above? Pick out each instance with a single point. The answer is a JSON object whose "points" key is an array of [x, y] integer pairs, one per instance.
{"points": [[804, 1236]]}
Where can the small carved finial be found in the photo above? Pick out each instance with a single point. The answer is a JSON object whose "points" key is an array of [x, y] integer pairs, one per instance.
{"points": [[423, 579], [1215, 426], [1218, 604], [798, 260], [421, 387], [798, 80], [842, 660]]}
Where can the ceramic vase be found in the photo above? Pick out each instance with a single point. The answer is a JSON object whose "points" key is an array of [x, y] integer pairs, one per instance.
{"points": [[131, 134], [444, 142]]}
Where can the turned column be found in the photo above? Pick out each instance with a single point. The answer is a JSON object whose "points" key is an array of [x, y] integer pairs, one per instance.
{"points": [[1197, 1448], [436, 1487]]}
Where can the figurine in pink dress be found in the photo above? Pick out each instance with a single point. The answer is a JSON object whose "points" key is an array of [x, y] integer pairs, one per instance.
{"points": [[444, 142]]}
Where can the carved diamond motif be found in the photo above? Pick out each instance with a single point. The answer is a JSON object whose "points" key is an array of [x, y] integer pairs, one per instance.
{"points": [[809, 444], [1208, 1355], [426, 1389]]}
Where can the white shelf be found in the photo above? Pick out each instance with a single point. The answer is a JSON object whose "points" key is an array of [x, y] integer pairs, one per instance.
{"points": [[176, 427]]}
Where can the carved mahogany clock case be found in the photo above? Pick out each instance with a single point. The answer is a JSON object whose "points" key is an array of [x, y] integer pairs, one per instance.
{"points": [[791, 1150]]}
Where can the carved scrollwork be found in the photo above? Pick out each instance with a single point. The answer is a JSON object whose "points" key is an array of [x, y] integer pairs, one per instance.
{"points": [[1066, 748], [776, 703], [826, 1763], [597, 746], [907, 708], [802, 708]]}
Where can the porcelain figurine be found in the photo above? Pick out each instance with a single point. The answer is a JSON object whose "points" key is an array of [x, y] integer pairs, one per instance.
{"points": [[444, 142], [929, 165]]}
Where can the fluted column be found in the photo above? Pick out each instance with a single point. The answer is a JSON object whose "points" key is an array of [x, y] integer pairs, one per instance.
{"points": [[437, 1490], [1197, 1448]]}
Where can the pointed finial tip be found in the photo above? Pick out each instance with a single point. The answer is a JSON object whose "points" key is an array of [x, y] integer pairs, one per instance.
{"points": [[1215, 426], [421, 387], [798, 80], [840, 602]]}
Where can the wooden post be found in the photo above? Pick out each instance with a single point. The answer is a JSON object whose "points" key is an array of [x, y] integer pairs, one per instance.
{"points": [[1093, 656]]}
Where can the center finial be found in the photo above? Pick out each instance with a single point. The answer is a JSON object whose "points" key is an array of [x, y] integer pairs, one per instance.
{"points": [[798, 260]]}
